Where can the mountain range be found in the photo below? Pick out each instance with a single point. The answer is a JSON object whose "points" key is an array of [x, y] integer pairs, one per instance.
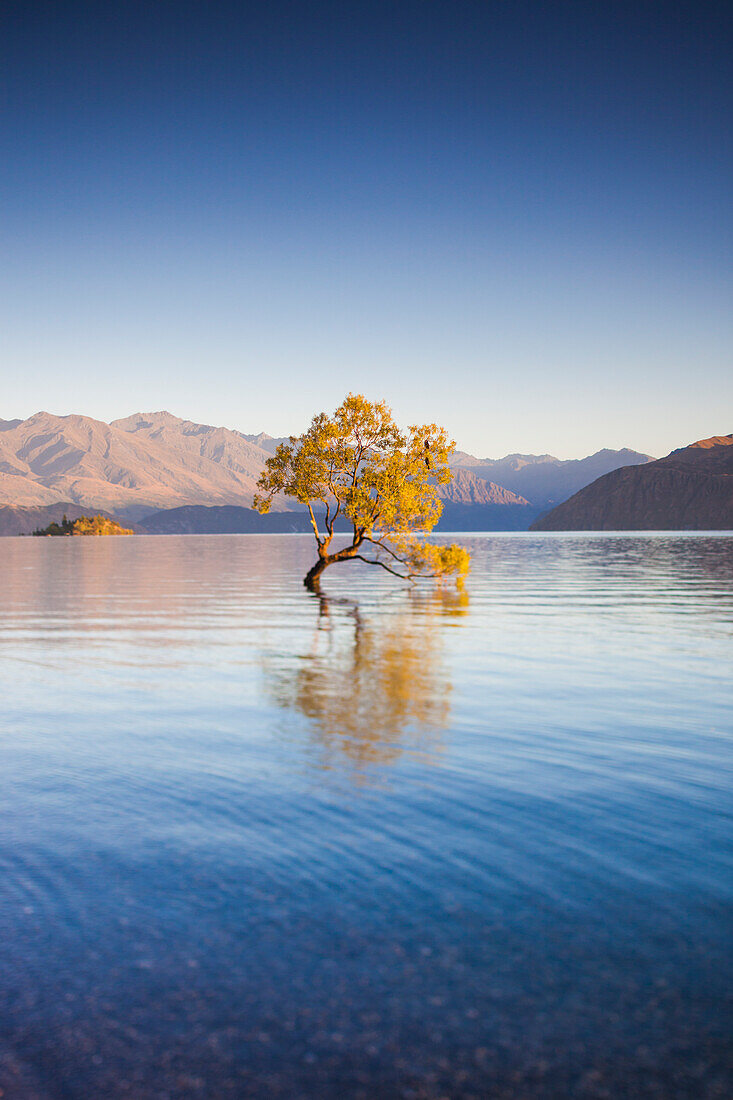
{"points": [[545, 480], [131, 467], [689, 490], [151, 463]]}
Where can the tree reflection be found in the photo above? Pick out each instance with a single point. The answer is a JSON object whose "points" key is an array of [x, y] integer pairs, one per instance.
{"points": [[372, 686]]}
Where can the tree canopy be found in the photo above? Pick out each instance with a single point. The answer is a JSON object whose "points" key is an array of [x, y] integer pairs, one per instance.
{"points": [[359, 466]]}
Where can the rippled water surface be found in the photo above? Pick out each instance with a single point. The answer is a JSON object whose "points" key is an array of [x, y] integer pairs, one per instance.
{"points": [[390, 842]]}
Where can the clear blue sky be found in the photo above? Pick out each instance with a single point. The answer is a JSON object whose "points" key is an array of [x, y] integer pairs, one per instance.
{"points": [[509, 217]]}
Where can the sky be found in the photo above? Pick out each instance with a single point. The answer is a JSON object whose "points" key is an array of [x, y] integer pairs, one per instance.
{"points": [[512, 218]]}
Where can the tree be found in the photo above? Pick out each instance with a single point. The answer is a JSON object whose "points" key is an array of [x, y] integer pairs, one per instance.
{"points": [[358, 465]]}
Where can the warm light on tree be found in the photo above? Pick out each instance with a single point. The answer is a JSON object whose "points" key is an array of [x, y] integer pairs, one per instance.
{"points": [[358, 465]]}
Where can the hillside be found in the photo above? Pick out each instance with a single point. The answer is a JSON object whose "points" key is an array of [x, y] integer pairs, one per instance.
{"points": [[544, 480], [467, 488], [689, 490], [229, 449], [133, 470], [226, 519], [229, 519]]}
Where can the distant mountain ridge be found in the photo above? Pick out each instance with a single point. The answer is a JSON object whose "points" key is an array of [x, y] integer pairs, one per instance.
{"points": [[229, 449], [267, 442], [468, 488], [223, 519], [157, 462], [689, 490], [544, 480], [512, 462]]}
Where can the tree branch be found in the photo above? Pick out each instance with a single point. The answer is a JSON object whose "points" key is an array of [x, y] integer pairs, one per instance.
{"points": [[314, 524], [403, 576], [382, 546], [376, 561]]}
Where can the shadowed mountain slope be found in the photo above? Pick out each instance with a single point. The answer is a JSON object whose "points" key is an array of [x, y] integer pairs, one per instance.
{"points": [[689, 490], [224, 519], [229, 519]]}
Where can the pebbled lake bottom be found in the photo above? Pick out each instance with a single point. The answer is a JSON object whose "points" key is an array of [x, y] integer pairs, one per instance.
{"points": [[392, 842]]}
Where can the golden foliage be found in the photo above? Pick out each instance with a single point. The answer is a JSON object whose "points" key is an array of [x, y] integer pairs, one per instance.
{"points": [[357, 464], [98, 525], [85, 525]]}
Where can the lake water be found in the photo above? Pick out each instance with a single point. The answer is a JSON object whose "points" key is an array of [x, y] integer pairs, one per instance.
{"points": [[387, 843]]}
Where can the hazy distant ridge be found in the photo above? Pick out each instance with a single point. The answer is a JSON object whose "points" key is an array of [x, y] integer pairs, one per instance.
{"points": [[544, 480]]}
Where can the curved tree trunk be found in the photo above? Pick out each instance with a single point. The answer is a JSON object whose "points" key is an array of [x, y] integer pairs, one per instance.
{"points": [[312, 579]]}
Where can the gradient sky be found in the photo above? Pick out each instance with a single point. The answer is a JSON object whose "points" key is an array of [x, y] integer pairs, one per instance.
{"points": [[510, 217]]}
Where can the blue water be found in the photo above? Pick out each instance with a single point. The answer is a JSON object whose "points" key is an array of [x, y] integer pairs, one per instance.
{"points": [[391, 842]]}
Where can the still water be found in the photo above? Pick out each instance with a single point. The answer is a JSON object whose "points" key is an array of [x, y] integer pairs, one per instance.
{"points": [[390, 842]]}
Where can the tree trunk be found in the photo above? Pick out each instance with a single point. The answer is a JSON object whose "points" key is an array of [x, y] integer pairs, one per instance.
{"points": [[312, 578]]}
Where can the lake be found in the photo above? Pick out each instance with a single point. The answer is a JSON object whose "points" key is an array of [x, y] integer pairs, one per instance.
{"points": [[392, 842]]}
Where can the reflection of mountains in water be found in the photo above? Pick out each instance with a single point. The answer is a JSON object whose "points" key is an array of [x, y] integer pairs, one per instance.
{"points": [[372, 687]]}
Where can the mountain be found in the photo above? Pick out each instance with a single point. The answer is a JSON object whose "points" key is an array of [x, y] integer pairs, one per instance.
{"points": [[689, 490], [471, 503], [157, 462], [544, 480], [467, 488], [246, 455], [133, 467], [228, 449], [512, 462], [267, 442]]}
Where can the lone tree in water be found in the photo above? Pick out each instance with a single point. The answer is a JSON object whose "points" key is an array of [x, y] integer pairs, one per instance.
{"points": [[358, 465]]}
